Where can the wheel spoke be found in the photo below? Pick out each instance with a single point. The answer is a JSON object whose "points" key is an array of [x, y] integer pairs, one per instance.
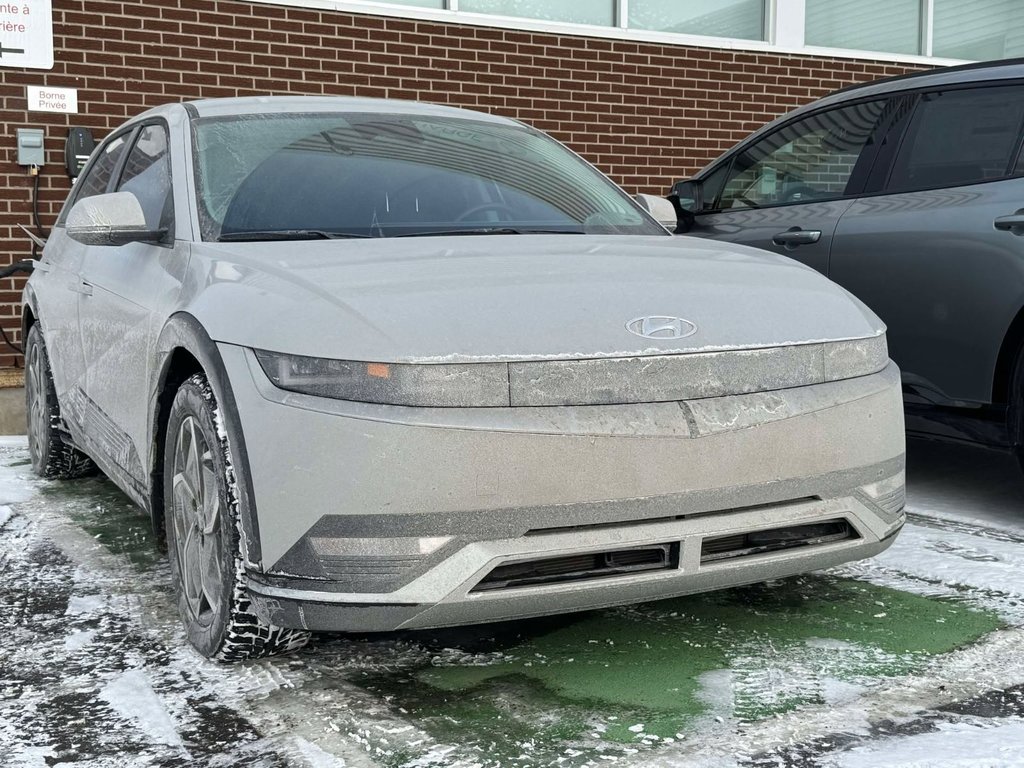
{"points": [[209, 513], [184, 498], [192, 461], [211, 571], [191, 570]]}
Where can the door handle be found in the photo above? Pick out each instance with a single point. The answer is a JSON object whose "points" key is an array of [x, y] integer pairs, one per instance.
{"points": [[795, 236], [1013, 223], [83, 288]]}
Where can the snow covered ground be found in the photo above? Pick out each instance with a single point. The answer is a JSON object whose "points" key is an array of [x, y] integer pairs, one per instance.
{"points": [[915, 658]]}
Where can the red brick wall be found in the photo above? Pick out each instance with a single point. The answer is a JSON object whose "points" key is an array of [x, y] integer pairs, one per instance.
{"points": [[647, 114]]}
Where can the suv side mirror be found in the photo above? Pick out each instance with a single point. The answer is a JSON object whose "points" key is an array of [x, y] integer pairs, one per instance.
{"points": [[687, 198], [660, 209], [689, 193], [115, 218]]}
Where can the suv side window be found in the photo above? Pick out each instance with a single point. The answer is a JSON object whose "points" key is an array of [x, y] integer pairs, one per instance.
{"points": [[147, 175], [809, 159], [958, 137]]}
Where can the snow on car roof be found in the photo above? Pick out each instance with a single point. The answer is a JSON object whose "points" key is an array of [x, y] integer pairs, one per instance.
{"points": [[254, 105]]}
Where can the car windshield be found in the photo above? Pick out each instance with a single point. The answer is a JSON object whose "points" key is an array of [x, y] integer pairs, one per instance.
{"points": [[304, 176]]}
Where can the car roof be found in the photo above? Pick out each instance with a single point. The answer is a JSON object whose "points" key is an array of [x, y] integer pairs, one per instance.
{"points": [[985, 71], [258, 105], [1006, 69]]}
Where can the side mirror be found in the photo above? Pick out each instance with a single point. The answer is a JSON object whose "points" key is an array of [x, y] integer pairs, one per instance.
{"points": [[661, 209], [687, 198], [111, 219], [689, 195]]}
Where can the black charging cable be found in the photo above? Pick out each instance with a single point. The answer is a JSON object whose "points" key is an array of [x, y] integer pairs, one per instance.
{"points": [[26, 265], [18, 266]]}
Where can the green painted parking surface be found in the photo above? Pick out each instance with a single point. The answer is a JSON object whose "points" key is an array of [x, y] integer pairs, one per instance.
{"points": [[648, 674]]}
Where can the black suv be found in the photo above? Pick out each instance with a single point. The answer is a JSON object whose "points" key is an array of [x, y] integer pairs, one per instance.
{"points": [[909, 192]]}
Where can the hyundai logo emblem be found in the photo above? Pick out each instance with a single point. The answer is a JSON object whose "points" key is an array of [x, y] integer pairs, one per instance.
{"points": [[661, 327]]}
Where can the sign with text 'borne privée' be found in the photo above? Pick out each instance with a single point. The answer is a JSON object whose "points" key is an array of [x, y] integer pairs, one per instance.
{"points": [[26, 34]]}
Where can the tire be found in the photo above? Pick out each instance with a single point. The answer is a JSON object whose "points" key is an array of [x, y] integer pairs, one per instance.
{"points": [[203, 535], [53, 455]]}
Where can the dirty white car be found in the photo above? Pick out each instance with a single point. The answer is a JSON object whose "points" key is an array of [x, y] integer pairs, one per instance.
{"points": [[375, 365]]}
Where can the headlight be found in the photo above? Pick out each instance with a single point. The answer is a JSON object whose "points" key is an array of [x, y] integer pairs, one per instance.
{"points": [[860, 357], [440, 386]]}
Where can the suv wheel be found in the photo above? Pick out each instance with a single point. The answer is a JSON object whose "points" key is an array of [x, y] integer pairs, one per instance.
{"points": [[53, 456], [201, 499]]}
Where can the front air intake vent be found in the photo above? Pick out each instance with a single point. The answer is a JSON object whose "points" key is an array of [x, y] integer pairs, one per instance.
{"points": [[591, 565], [718, 548]]}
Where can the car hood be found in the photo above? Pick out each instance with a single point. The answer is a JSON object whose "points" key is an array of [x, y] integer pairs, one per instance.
{"points": [[512, 297]]}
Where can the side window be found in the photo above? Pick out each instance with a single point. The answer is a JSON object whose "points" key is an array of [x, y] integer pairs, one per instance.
{"points": [[147, 175], [960, 137], [810, 159], [96, 180]]}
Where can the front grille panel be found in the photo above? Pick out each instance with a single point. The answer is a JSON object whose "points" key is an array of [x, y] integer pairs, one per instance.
{"points": [[582, 567]]}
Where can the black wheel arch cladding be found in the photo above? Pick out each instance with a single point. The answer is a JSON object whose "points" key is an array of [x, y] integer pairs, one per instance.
{"points": [[184, 331]]}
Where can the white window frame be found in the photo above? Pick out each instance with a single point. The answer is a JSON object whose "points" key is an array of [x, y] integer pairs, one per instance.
{"points": [[784, 28]]}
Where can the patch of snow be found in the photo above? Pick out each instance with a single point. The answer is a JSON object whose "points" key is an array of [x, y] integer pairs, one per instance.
{"points": [[953, 745], [78, 640], [85, 604], [131, 696], [313, 756], [17, 484], [972, 561]]}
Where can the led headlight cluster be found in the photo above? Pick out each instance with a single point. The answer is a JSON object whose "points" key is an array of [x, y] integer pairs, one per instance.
{"points": [[858, 357], [441, 385], [595, 381]]}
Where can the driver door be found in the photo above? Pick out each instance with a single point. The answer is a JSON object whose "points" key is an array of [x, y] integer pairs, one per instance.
{"points": [[786, 190], [127, 293]]}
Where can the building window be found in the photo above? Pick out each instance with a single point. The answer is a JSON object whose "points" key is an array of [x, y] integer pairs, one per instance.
{"points": [[919, 31], [598, 12], [742, 19], [980, 29], [892, 26]]}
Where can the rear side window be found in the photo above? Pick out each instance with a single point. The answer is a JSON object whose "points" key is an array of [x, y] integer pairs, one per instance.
{"points": [[809, 159], [960, 137]]}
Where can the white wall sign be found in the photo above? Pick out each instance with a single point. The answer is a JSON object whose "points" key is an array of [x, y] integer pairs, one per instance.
{"points": [[44, 99], [26, 34]]}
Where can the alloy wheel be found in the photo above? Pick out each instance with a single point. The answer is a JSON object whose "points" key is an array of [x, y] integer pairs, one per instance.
{"points": [[195, 493], [38, 418]]}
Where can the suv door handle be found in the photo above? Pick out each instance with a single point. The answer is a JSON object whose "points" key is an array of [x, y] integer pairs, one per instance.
{"points": [[796, 236], [83, 288], [1013, 223]]}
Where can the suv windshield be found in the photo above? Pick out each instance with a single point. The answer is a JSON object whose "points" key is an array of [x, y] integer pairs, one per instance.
{"points": [[304, 176]]}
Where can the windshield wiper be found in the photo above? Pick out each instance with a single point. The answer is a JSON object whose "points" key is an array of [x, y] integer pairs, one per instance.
{"points": [[489, 231], [286, 234]]}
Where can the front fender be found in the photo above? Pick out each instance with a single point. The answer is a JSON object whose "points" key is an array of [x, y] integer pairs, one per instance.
{"points": [[182, 334]]}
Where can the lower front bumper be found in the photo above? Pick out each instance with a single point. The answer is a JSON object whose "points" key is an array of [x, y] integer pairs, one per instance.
{"points": [[448, 589]]}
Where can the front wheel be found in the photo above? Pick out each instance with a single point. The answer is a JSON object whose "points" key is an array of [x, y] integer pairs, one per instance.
{"points": [[203, 535]]}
